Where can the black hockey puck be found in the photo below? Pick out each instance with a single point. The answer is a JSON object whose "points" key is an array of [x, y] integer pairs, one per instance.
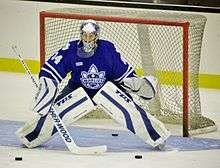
{"points": [[18, 158], [138, 156], [114, 134]]}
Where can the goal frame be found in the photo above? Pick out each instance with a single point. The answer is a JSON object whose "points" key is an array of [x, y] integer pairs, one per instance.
{"points": [[185, 47]]}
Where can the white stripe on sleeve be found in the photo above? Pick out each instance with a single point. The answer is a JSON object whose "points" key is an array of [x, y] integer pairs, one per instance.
{"points": [[44, 69], [54, 70]]}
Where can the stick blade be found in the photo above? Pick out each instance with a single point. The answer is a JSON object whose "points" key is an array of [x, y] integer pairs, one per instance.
{"points": [[94, 150]]}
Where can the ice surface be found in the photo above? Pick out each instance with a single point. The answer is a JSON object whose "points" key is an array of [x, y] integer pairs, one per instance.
{"points": [[201, 151]]}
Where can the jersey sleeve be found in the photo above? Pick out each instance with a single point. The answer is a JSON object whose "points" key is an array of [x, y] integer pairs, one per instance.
{"points": [[121, 68], [58, 65]]}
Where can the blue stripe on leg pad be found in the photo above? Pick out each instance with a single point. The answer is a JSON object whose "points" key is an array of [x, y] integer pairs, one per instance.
{"points": [[69, 109], [152, 132], [35, 133], [122, 109]]}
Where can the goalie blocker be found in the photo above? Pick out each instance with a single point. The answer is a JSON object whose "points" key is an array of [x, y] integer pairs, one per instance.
{"points": [[126, 112]]}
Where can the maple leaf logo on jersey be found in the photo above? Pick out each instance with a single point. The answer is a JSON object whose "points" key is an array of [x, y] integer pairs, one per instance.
{"points": [[93, 79]]}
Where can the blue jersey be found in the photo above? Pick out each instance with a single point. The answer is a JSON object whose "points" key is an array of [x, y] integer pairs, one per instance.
{"points": [[90, 73]]}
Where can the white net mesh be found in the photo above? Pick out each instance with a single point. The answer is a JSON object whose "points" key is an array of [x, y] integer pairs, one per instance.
{"points": [[153, 47]]}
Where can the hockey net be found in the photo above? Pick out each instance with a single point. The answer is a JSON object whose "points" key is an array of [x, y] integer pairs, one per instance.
{"points": [[166, 45]]}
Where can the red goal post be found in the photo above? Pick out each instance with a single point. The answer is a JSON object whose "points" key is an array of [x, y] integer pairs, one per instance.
{"points": [[54, 19]]}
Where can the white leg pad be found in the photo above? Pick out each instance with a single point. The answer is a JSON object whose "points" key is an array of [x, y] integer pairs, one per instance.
{"points": [[70, 108], [124, 111]]}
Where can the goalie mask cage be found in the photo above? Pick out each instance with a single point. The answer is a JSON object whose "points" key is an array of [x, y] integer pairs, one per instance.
{"points": [[166, 45]]}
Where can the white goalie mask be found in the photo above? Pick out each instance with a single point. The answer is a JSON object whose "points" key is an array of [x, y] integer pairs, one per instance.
{"points": [[89, 34]]}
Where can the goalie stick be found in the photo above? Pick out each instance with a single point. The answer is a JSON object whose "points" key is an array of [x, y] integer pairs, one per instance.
{"points": [[58, 123]]}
